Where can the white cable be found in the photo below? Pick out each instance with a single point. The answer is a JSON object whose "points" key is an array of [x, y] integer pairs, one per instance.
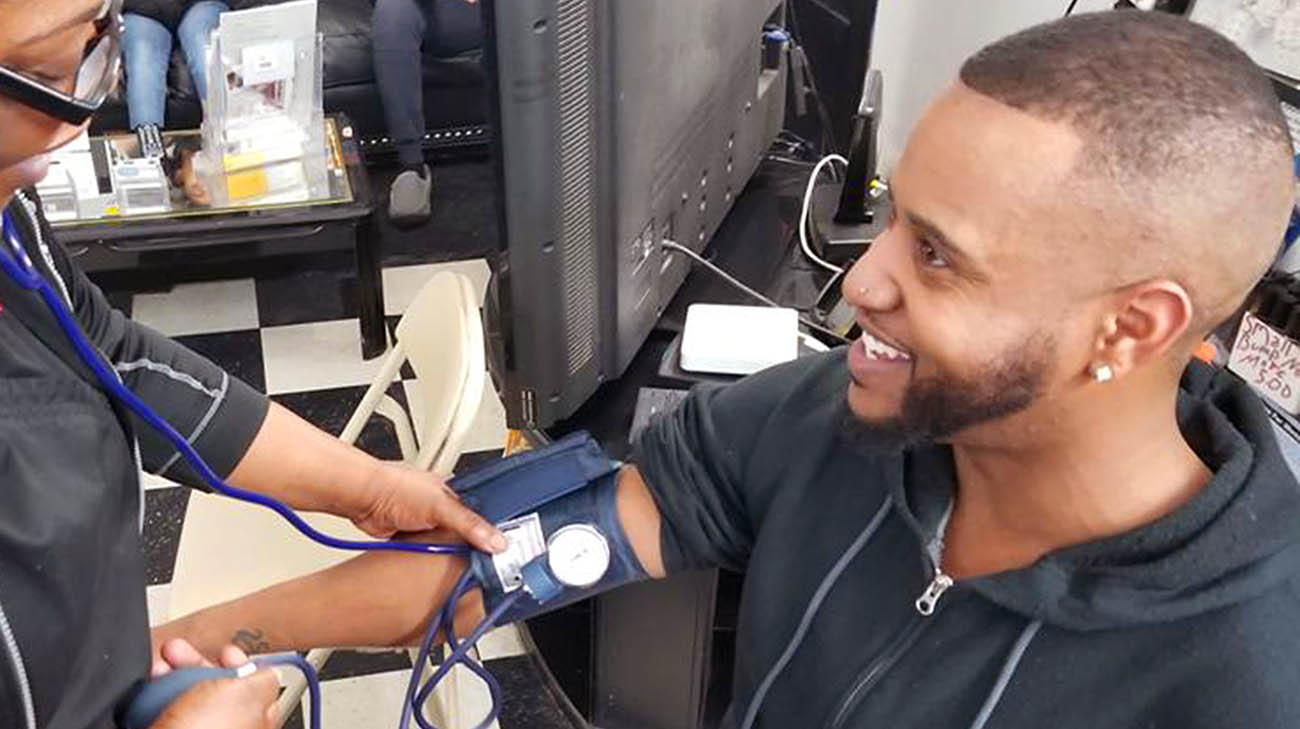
{"points": [[803, 215], [679, 248], [675, 246]]}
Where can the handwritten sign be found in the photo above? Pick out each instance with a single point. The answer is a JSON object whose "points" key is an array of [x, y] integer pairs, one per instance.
{"points": [[1269, 361]]}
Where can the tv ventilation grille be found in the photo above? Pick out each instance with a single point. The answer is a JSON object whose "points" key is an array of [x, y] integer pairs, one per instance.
{"points": [[577, 174]]}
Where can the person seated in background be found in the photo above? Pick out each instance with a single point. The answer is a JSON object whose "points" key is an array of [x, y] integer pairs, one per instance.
{"points": [[401, 30], [1012, 502], [151, 28]]}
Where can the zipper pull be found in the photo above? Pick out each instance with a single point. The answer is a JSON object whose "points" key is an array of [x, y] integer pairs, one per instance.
{"points": [[928, 599]]}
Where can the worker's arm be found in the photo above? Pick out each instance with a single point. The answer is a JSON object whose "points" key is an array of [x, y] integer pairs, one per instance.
{"points": [[310, 470], [379, 598], [248, 440]]}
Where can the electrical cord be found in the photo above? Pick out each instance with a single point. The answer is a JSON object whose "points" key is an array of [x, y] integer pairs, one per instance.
{"points": [[829, 285], [803, 213], [1070, 8], [679, 248], [829, 140], [797, 145], [788, 161]]}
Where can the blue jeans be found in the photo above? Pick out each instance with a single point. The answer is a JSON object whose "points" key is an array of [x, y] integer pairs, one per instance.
{"points": [[147, 52]]}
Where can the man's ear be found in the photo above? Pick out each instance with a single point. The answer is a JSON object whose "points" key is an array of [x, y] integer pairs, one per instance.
{"points": [[1148, 320]]}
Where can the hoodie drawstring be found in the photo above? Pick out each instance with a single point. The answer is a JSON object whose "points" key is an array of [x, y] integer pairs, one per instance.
{"points": [[1004, 678], [813, 605]]}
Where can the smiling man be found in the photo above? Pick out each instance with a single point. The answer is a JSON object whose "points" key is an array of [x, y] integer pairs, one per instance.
{"points": [[1012, 502]]}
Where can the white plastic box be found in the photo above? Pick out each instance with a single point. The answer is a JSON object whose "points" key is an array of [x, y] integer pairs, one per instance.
{"points": [[738, 340]]}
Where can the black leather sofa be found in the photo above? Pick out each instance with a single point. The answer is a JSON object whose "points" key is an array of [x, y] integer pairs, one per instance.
{"points": [[454, 104]]}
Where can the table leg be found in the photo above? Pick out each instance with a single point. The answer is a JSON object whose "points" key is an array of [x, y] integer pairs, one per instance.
{"points": [[374, 337]]}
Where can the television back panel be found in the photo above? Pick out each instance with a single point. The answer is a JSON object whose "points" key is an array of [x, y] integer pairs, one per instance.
{"points": [[694, 113], [543, 304], [619, 124]]}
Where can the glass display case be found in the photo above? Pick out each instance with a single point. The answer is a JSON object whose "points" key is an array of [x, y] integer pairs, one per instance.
{"points": [[261, 132]]}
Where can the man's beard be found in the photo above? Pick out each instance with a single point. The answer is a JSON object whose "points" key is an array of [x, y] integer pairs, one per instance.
{"points": [[936, 407]]}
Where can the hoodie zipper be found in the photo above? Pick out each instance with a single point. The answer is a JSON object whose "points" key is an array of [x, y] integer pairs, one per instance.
{"points": [[46, 256], [926, 605], [940, 582], [19, 669], [868, 679]]}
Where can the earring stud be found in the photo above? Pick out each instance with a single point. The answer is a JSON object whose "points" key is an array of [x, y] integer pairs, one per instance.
{"points": [[1102, 373]]}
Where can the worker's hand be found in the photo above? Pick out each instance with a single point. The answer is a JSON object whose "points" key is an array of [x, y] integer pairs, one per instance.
{"points": [[228, 703], [406, 500], [180, 653]]}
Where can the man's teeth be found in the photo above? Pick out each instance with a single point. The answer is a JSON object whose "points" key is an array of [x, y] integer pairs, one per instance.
{"points": [[877, 349]]}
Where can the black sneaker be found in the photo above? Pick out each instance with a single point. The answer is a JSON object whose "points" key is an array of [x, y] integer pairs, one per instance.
{"points": [[151, 142]]}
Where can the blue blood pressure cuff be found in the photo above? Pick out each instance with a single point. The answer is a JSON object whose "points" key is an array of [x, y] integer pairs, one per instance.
{"points": [[557, 507]]}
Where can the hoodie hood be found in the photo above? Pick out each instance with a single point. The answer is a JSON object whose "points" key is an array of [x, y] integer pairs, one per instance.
{"points": [[1236, 539]]}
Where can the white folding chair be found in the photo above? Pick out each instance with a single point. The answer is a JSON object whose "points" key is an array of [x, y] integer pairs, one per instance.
{"points": [[441, 336]]}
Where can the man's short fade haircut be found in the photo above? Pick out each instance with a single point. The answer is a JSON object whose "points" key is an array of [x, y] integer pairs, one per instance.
{"points": [[1161, 105], [1129, 80]]}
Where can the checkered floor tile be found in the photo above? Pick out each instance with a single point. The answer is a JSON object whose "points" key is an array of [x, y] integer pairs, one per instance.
{"points": [[295, 336]]}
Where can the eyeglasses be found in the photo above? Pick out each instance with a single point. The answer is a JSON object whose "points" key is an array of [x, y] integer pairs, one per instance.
{"points": [[96, 76]]}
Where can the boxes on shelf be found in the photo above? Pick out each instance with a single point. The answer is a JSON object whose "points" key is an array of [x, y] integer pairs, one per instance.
{"points": [[80, 182]]}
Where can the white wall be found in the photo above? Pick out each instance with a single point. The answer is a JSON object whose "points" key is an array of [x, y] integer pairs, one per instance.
{"points": [[920, 45]]}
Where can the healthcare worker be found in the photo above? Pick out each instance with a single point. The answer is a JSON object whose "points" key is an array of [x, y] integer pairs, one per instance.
{"points": [[74, 635]]}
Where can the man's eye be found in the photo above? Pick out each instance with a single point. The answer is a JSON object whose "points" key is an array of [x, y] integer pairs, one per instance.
{"points": [[930, 256]]}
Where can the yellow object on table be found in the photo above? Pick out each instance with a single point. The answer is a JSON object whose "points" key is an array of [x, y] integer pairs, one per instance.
{"points": [[247, 185]]}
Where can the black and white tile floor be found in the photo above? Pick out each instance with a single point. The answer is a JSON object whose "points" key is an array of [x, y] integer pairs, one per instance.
{"points": [[295, 336]]}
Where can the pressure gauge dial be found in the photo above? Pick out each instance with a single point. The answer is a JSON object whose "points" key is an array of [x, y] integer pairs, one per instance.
{"points": [[578, 555]]}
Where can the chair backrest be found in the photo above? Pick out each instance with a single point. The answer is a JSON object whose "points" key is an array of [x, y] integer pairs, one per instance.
{"points": [[471, 396], [442, 338], [441, 335]]}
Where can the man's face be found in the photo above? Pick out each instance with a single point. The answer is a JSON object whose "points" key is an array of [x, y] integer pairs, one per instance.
{"points": [[972, 310], [45, 41]]}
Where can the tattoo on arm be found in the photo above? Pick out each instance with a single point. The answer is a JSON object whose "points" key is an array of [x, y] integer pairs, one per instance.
{"points": [[250, 641]]}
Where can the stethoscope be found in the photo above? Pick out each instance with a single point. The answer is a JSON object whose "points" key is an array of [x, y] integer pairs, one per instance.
{"points": [[17, 265]]}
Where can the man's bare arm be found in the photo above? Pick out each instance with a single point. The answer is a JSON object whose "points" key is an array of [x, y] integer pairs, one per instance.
{"points": [[639, 516], [379, 598]]}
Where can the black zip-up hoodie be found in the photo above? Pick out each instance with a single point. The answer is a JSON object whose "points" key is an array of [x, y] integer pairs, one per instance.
{"points": [[74, 635], [1191, 621]]}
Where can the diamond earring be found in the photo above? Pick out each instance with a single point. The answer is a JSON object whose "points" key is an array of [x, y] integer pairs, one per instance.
{"points": [[1102, 373]]}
